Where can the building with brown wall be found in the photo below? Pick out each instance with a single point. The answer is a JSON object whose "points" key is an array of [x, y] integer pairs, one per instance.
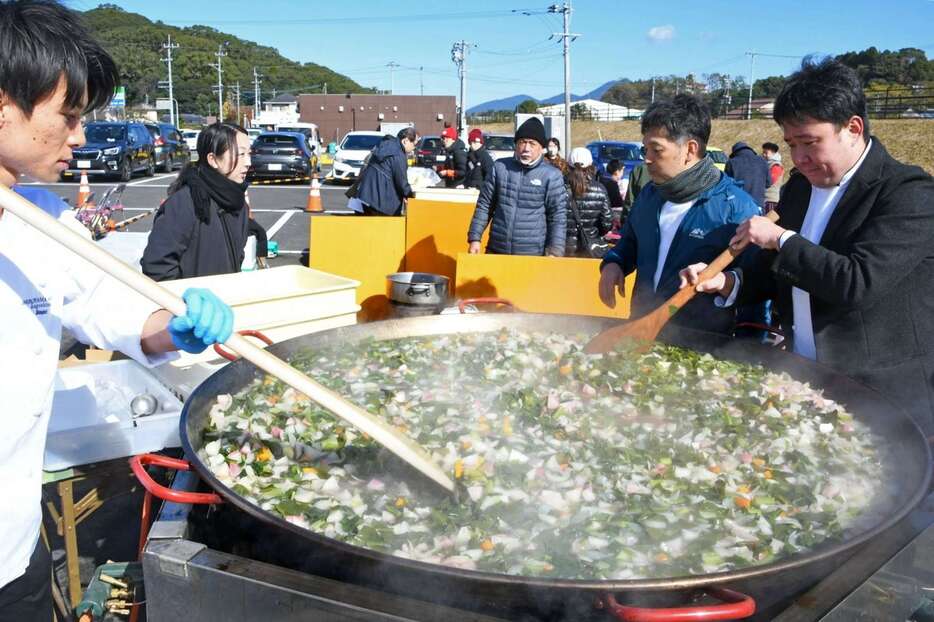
{"points": [[335, 115]]}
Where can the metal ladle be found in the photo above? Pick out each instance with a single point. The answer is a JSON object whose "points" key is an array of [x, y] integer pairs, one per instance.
{"points": [[144, 405]]}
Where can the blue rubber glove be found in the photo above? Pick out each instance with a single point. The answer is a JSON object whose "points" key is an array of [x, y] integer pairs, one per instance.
{"points": [[207, 321]]}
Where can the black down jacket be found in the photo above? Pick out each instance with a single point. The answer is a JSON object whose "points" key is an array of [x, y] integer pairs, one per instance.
{"points": [[596, 217], [527, 206], [385, 181], [479, 168], [456, 161], [180, 246]]}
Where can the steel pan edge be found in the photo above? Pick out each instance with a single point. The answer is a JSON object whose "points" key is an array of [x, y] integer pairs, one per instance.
{"points": [[235, 375]]}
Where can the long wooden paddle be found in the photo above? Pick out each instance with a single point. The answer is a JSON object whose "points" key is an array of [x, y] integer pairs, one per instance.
{"points": [[647, 327], [379, 430]]}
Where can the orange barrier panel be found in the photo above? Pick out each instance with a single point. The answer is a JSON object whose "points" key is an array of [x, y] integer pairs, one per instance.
{"points": [[363, 248], [436, 231], [539, 284]]}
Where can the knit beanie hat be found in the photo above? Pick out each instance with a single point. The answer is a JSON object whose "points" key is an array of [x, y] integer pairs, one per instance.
{"points": [[449, 132], [475, 134], [533, 129]]}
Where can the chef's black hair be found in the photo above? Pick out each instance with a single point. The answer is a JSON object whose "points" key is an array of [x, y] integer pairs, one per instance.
{"points": [[42, 42], [683, 117], [824, 90]]}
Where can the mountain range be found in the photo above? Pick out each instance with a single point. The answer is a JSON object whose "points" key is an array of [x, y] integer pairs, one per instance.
{"points": [[510, 103]]}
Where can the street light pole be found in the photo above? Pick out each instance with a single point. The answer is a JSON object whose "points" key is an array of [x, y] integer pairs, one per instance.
{"points": [[168, 47], [256, 93]]}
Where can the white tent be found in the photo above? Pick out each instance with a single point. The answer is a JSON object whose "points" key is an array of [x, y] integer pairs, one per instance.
{"points": [[598, 110]]}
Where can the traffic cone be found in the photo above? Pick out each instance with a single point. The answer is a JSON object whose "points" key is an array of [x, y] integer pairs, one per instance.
{"points": [[314, 196], [84, 191]]}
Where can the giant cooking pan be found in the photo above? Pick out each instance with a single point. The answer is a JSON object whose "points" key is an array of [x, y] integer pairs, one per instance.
{"points": [[907, 479]]}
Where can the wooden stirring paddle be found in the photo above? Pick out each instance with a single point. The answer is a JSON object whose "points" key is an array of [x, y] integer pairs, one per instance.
{"points": [[379, 430], [647, 327]]}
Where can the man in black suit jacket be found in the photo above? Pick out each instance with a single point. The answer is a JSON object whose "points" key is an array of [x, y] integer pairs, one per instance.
{"points": [[850, 263]]}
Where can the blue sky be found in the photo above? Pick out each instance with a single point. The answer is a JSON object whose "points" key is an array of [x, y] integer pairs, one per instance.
{"points": [[513, 54]]}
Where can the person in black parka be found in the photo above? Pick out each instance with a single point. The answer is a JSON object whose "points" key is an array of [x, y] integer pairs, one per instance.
{"points": [[479, 160], [201, 229], [384, 184], [587, 198], [749, 167]]}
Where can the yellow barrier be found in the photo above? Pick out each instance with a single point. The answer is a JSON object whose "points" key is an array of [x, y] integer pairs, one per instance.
{"points": [[539, 284], [436, 231], [364, 248]]}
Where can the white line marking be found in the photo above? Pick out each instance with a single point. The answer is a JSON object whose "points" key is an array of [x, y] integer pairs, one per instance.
{"points": [[273, 230], [149, 179], [271, 211]]}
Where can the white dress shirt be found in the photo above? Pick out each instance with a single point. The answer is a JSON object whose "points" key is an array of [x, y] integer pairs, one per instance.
{"points": [[820, 208], [669, 219], [43, 287]]}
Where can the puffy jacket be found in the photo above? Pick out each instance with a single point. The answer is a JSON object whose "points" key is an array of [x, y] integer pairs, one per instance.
{"points": [[594, 209], [456, 161], [479, 167], [385, 182], [703, 234], [181, 246], [751, 169], [527, 206]]}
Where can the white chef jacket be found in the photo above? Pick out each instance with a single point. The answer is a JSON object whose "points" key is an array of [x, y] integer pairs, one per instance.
{"points": [[43, 287]]}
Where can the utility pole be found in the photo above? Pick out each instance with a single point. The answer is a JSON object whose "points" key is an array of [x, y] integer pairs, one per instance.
{"points": [[237, 94], [752, 66], [653, 89], [256, 92], [421, 83], [221, 52], [459, 56], [567, 37], [168, 47], [392, 75], [325, 89]]}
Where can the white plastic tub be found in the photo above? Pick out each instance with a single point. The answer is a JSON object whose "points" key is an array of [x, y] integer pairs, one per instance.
{"points": [[91, 418]]}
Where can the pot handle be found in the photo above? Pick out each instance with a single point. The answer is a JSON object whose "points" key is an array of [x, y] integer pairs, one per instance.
{"points": [[416, 289], [736, 606], [138, 464], [246, 333], [462, 305]]}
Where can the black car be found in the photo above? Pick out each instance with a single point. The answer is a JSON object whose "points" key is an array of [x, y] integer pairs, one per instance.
{"points": [[171, 148], [429, 151], [114, 149], [281, 154]]}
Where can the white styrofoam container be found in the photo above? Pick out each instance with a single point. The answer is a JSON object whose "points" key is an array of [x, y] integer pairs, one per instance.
{"points": [[91, 419]]}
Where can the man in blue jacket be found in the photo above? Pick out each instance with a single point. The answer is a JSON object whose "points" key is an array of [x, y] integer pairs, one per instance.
{"points": [[525, 199], [689, 210], [750, 169]]}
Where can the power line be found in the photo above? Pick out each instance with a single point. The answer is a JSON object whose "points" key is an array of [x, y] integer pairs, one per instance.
{"points": [[423, 17]]}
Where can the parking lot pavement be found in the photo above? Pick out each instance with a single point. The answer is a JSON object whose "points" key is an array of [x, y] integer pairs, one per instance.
{"points": [[278, 208]]}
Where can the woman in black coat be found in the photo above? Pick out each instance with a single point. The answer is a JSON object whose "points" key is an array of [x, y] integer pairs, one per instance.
{"points": [[588, 200], [201, 229], [384, 182]]}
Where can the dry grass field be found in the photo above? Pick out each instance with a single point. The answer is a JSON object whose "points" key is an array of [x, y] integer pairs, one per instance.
{"points": [[909, 140]]}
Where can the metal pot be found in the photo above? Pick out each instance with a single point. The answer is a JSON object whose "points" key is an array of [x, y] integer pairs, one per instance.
{"points": [[418, 288], [907, 479]]}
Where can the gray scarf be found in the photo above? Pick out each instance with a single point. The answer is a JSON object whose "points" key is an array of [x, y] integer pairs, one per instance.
{"points": [[688, 184]]}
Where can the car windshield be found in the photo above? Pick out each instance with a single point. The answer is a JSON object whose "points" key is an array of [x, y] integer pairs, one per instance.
{"points": [[104, 133], [717, 156], [277, 140], [360, 142], [500, 143], [430, 143], [190, 134], [620, 152]]}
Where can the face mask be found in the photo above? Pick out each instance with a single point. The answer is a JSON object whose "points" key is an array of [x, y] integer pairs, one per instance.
{"points": [[552, 151]]}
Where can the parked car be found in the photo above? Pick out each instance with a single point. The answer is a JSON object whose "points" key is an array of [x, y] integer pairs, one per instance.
{"points": [[354, 148], [114, 150], [719, 158], [191, 139], [629, 153], [283, 155], [171, 149], [500, 145], [253, 132], [429, 151], [309, 130]]}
